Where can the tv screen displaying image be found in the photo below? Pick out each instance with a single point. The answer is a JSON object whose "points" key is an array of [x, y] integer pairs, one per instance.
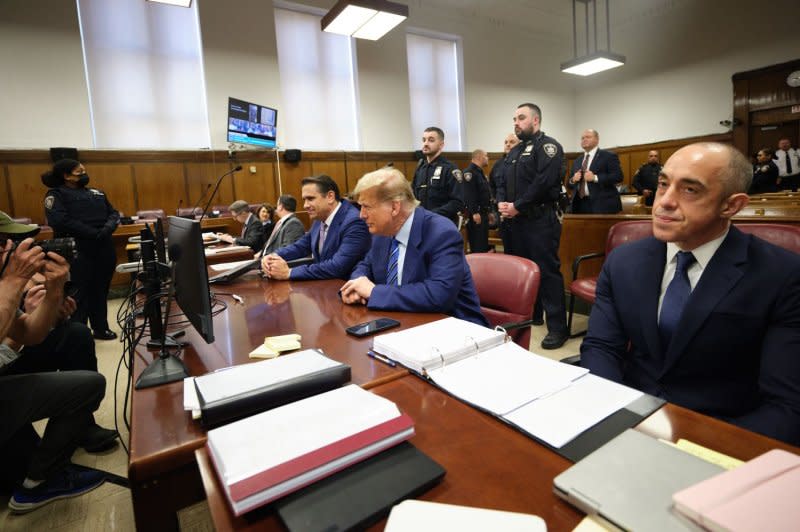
{"points": [[249, 123]]}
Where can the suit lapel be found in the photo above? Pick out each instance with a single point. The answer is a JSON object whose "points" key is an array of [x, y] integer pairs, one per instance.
{"points": [[649, 275], [414, 242], [720, 276]]}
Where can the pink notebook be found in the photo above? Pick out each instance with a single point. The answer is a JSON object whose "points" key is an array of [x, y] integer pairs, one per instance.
{"points": [[760, 495]]}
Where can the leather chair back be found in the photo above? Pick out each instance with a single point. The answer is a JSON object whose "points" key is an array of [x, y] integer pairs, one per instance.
{"points": [[785, 236], [507, 287], [151, 214], [630, 231]]}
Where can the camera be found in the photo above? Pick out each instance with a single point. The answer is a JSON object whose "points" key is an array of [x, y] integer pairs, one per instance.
{"points": [[61, 246]]}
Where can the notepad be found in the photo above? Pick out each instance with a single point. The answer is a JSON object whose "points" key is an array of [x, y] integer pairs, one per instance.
{"points": [[762, 494], [275, 345], [414, 516]]}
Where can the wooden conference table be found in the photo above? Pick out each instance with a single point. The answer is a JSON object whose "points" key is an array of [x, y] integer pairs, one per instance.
{"points": [[162, 469]]}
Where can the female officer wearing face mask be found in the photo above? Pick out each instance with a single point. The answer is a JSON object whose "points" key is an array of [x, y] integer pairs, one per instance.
{"points": [[73, 209]]}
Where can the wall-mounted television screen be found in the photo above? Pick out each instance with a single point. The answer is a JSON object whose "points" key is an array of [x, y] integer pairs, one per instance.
{"points": [[249, 123]]}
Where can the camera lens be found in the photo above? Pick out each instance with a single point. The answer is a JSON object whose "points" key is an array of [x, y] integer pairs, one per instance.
{"points": [[61, 246]]}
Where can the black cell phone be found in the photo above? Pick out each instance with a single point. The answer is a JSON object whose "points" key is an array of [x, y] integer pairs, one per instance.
{"points": [[371, 327]]}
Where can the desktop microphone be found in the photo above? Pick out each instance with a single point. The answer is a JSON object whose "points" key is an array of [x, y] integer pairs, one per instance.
{"points": [[219, 181], [180, 204]]}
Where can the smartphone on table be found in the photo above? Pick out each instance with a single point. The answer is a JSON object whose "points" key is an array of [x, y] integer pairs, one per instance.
{"points": [[372, 327]]}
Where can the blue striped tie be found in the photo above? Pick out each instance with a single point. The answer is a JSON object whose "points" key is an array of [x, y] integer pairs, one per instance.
{"points": [[391, 270]]}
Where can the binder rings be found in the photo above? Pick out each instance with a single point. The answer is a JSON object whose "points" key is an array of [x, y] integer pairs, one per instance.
{"points": [[247, 389], [266, 456]]}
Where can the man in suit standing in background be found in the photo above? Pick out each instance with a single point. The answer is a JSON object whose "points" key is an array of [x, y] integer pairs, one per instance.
{"points": [[715, 326], [288, 229], [595, 176], [787, 159], [416, 262], [338, 238], [252, 232]]}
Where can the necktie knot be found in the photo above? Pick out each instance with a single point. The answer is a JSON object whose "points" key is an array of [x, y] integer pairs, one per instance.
{"points": [[685, 260]]}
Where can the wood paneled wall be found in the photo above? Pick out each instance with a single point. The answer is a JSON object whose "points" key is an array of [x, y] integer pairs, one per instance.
{"points": [[138, 180]]}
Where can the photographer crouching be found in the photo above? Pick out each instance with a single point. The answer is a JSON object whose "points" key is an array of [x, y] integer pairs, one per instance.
{"points": [[34, 345]]}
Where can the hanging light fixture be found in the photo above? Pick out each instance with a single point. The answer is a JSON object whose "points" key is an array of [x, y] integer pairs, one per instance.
{"points": [[364, 19], [181, 3], [597, 60]]}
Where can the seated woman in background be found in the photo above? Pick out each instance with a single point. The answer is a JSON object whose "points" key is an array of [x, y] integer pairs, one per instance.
{"points": [[266, 213]]}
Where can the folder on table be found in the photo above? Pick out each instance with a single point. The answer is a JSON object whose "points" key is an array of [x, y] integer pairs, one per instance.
{"points": [[630, 481], [362, 494], [414, 516], [266, 456], [246, 389], [762, 494]]}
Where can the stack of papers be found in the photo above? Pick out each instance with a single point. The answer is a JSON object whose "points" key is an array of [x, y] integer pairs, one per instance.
{"points": [[275, 345], [266, 456]]}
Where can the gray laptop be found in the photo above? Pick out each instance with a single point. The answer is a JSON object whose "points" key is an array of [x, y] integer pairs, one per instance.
{"points": [[630, 480]]}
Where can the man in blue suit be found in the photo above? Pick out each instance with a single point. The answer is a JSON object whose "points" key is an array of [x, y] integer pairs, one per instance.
{"points": [[416, 263], [716, 330], [595, 176], [338, 238]]}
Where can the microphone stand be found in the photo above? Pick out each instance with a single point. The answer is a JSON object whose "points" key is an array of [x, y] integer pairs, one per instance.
{"points": [[216, 187]]}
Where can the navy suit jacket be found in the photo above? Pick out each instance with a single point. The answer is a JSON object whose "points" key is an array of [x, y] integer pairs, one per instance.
{"points": [[736, 352], [345, 244], [603, 196], [436, 276]]}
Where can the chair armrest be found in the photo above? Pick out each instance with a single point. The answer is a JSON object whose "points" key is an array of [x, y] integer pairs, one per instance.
{"points": [[580, 258], [574, 360]]}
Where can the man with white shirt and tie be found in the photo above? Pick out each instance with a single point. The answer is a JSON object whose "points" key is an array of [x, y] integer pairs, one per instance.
{"points": [[787, 159], [701, 314], [338, 238], [416, 262], [288, 229], [595, 176]]}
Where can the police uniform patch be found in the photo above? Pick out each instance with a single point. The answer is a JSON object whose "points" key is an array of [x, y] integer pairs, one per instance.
{"points": [[467, 176], [48, 202], [550, 149], [457, 174]]}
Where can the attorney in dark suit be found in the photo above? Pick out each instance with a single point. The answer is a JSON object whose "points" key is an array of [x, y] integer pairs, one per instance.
{"points": [[595, 176], [252, 232], [338, 238], [288, 229], [716, 330], [416, 263]]}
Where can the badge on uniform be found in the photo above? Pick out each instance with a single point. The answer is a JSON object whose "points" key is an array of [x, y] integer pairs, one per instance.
{"points": [[765, 168], [528, 149], [467, 176], [550, 149], [48, 202], [437, 173], [458, 175]]}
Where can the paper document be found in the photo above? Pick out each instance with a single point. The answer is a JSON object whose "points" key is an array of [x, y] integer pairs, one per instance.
{"points": [[560, 417], [225, 266], [226, 249], [505, 378], [414, 516]]}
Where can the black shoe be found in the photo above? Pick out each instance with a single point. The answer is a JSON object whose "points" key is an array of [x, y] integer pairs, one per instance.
{"points": [[554, 340], [98, 439], [538, 321], [108, 334]]}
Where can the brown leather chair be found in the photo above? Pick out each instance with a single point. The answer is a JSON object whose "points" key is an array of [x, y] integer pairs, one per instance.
{"points": [[507, 287], [150, 214], [189, 212], [584, 287], [223, 210]]}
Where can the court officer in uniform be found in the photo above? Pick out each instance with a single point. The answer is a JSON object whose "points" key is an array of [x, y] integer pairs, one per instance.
{"points": [[437, 181]]}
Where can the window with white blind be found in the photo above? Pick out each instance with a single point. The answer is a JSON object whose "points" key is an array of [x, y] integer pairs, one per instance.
{"points": [[144, 70], [318, 85], [435, 87]]}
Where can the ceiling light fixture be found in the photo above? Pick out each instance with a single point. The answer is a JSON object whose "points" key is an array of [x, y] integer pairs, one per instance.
{"points": [[597, 60], [180, 3], [364, 19]]}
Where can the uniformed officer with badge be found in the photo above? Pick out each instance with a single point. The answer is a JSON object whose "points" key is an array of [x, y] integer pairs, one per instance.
{"points": [[478, 202], [645, 181], [437, 181], [497, 183], [74, 210], [765, 173], [532, 188]]}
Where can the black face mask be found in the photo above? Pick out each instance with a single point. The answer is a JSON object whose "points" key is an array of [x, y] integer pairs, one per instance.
{"points": [[83, 180]]}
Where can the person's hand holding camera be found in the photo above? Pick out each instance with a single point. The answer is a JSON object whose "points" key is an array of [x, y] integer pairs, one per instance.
{"points": [[24, 261], [56, 274]]}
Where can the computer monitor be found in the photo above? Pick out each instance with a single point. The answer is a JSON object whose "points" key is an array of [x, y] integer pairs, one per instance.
{"points": [[249, 123], [190, 275]]}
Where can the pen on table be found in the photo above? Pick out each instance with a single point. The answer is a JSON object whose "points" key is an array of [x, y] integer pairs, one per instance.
{"points": [[376, 356]]}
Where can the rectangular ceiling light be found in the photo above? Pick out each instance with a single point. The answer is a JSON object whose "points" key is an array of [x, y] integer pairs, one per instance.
{"points": [[364, 19], [181, 3], [593, 63]]}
